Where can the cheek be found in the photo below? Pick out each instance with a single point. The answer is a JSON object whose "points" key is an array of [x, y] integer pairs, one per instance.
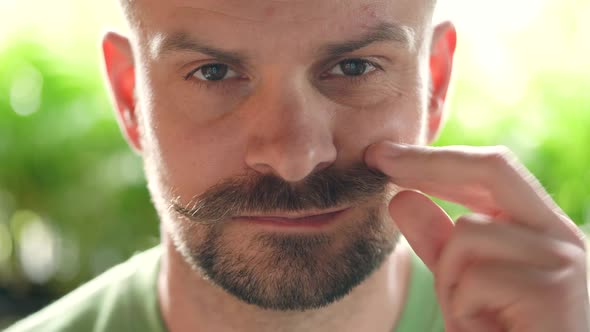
{"points": [[190, 156], [191, 101], [399, 119], [190, 145]]}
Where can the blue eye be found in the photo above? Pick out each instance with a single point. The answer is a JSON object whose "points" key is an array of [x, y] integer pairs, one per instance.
{"points": [[213, 72], [352, 67]]}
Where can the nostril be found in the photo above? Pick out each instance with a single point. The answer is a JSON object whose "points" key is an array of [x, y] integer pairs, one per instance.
{"points": [[323, 165], [263, 169]]}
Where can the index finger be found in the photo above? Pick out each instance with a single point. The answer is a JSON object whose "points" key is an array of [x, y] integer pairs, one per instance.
{"points": [[487, 180]]}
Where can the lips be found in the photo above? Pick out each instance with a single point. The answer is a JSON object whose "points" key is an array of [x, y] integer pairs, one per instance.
{"points": [[295, 216], [307, 219]]}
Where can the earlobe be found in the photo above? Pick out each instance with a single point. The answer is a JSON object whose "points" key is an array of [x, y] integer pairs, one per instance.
{"points": [[120, 70], [444, 41]]}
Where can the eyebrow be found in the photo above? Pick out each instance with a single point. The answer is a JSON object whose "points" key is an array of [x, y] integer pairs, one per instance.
{"points": [[182, 41], [382, 32]]}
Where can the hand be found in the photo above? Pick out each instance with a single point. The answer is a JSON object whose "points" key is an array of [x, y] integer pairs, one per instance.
{"points": [[518, 264]]}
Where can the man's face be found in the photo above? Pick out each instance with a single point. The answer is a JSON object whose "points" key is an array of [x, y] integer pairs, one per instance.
{"points": [[265, 108]]}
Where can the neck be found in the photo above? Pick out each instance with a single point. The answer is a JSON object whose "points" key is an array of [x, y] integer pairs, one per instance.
{"points": [[190, 303]]}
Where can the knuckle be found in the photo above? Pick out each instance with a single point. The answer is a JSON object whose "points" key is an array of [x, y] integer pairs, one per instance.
{"points": [[568, 254], [578, 236], [582, 241], [498, 157], [462, 221], [470, 223], [560, 282], [463, 225], [493, 162]]}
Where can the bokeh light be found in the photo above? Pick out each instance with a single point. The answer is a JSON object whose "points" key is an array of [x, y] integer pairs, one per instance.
{"points": [[5, 245], [37, 246], [25, 91]]}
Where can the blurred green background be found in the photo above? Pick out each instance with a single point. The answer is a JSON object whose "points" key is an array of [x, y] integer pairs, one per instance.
{"points": [[73, 200]]}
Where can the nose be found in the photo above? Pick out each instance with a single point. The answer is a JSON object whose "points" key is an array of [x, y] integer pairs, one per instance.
{"points": [[290, 132]]}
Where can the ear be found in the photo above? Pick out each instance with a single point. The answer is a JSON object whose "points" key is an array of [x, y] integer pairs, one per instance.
{"points": [[444, 42], [120, 69]]}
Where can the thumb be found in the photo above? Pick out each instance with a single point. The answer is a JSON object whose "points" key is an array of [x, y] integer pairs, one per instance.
{"points": [[424, 224]]}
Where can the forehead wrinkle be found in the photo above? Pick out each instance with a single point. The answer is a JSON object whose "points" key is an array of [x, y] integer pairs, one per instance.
{"points": [[371, 30], [184, 10], [161, 43]]}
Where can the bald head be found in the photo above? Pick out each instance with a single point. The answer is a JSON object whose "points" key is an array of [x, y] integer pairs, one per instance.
{"points": [[130, 9]]}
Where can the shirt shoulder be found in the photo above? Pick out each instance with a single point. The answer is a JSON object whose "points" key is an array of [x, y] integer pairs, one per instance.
{"points": [[421, 311], [122, 299]]}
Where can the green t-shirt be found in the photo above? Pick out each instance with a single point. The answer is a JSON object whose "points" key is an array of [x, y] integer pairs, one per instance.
{"points": [[124, 299]]}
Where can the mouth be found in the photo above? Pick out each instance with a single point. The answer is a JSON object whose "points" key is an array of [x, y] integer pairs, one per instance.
{"points": [[308, 219]]}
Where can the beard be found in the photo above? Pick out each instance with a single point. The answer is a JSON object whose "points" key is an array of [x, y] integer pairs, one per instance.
{"points": [[279, 270]]}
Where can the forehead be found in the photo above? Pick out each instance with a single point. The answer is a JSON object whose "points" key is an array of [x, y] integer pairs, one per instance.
{"points": [[281, 10], [276, 22]]}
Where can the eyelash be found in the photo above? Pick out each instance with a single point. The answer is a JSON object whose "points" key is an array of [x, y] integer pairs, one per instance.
{"points": [[224, 84], [206, 84]]}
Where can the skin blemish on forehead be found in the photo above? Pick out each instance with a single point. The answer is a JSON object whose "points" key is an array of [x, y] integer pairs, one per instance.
{"points": [[269, 11], [370, 13], [369, 9]]}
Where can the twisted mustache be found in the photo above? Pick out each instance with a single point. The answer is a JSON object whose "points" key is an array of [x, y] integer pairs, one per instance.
{"points": [[264, 193]]}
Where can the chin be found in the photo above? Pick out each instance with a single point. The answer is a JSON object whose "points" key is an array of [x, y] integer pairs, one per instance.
{"points": [[289, 271]]}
